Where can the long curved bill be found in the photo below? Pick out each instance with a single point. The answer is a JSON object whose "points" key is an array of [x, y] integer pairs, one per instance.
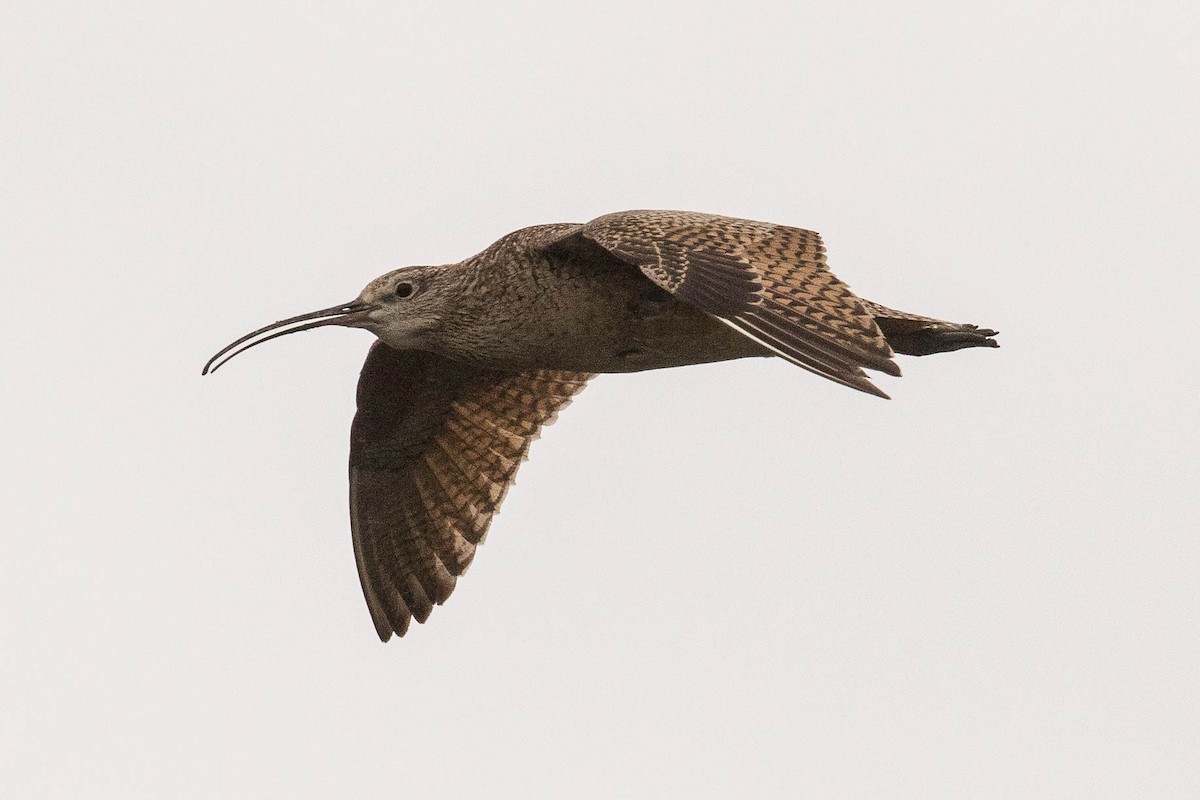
{"points": [[347, 314]]}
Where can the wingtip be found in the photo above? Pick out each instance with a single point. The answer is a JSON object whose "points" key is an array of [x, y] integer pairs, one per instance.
{"points": [[890, 367], [866, 387], [383, 626]]}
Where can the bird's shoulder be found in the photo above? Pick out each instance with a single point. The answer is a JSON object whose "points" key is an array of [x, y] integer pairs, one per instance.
{"points": [[533, 239], [695, 231], [637, 233]]}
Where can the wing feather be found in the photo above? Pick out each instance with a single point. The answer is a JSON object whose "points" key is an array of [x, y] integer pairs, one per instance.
{"points": [[770, 282], [434, 448]]}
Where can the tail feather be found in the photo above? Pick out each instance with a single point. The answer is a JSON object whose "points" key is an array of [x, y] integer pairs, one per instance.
{"points": [[914, 335]]}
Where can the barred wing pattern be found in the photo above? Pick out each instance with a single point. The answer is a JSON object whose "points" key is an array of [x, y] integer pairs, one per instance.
{"points": [[433, 450], [769, 282]]}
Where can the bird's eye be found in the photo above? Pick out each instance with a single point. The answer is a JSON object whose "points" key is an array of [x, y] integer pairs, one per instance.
{"points": [[404, 289]]}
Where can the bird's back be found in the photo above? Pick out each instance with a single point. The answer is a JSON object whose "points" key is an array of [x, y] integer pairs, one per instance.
{"points": [[547, 297]]}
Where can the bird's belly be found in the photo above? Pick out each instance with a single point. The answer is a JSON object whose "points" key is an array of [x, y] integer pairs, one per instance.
{"points": [[681, 336], [642, 335]]}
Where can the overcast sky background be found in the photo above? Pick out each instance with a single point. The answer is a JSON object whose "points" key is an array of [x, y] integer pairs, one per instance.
{"points": [[730, 580]]}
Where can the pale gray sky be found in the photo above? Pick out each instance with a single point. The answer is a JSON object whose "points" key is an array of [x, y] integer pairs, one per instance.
{"points": [[731, 580]]}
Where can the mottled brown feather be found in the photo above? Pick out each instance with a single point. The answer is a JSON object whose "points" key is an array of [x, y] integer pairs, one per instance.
{"points": [[433, 449], [770, 282]]}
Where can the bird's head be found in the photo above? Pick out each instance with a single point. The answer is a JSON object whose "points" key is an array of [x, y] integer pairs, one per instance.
{"points": [[401, 307]]}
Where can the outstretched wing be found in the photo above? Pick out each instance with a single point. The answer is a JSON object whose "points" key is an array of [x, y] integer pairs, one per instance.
{"points": [[433, 450], [770, 282]]}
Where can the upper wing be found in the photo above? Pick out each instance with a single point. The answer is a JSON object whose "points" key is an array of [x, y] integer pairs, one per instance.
{"points": [[770, 282], [433, 449]]}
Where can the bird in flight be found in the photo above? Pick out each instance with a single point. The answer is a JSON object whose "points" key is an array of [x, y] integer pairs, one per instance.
{"points": [[474, 358]]}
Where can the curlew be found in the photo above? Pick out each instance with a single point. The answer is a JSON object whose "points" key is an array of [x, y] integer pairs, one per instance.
{"points": [[474, 358]]}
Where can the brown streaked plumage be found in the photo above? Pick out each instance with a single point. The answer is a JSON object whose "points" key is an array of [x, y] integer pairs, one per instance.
{"points": [[475, 357], [433, 450]]}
